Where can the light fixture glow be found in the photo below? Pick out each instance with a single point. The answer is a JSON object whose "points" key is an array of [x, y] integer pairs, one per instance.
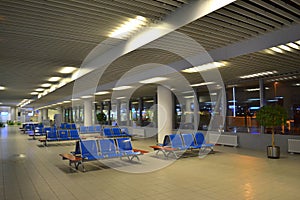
{"points": [[46, 85], [127, 27], [286, 48], [202, 84], [101, 93], [252, 89], [298, 42], [125, 87], [153, 80], [259, 74], [39, 89], [66, 101], [54, 79], [293, 45], [2, 87], [276, 49], [87, 96], [188, 97], [67, 70], [205, 67], [34, 93], [120, 97]]}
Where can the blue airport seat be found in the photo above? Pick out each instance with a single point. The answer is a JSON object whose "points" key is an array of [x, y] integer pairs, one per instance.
{"points": [[125, 148], [74, 135], [63, 134], [108, 148]]}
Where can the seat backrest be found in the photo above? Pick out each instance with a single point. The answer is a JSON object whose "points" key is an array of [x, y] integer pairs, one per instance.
{"points": [[62, 126], [124, 144], [199, 138], [98, 128], [82, 129], [91, 129], [47, 129], [188, 139], [107, 146], [176, 140], [68, 126], [52, 134], [116, 131], [72, 126], [125, 130], [89, 149], [63, 134], [74, 133], [107, 132]]}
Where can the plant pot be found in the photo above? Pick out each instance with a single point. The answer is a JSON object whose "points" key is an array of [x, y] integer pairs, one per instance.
{"points": [[273, 152]]}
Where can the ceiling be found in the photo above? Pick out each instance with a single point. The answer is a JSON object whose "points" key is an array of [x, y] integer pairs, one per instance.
{"points": [[38, 37]]}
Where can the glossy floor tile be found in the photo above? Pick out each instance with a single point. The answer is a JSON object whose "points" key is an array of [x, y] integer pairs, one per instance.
{"points": [[30, 171]]}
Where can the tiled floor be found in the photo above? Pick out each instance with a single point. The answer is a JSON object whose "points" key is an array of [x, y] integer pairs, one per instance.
{"points": [[30, 171]]}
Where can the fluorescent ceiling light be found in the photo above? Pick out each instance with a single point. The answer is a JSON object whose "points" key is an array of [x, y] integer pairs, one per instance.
{"points": [[75, 99], [298, 42], [188, 97], [127, 27], [185, 92], [205, 67], [258, 74], [125, 87], [2, 87], [252, 90], [34, 93], [101, 93], [54, 79], [120, 97], [293, 45], [269, 51], [149, 101], [276, 49], [87, 96], [66, 101], [39, 89], [1, 103], [46, 85], [202, 84], [286, 48], [153, 80], [67, 70]]}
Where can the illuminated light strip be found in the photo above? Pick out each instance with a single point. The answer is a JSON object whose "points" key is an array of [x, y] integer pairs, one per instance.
{"points": [[259, 74], [153, 80], [122, 87], [205, 67], [127, 27], [202, 84]]}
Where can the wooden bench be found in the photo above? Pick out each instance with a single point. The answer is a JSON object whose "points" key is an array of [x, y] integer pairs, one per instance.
{"points": [[164, 149], [77, 160]]}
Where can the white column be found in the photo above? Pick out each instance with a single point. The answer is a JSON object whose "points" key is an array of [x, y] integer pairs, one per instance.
{"points": [[118, 108], [261, 93], [13, 115], [164, 113], [23, 116], [128, 113], [44, 114], [189, 113], [87, 112], [40, 116]]}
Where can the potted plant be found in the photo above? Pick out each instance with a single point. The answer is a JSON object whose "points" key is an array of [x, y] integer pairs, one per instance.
{"points": [[272, 117], [101, 117], [2, 124]]}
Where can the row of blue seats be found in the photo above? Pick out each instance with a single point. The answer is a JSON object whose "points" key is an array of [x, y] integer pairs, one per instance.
{"points": [[90, 129], [175, 143], [98, 149], [116, 132], [67, 126], [60, 135]]}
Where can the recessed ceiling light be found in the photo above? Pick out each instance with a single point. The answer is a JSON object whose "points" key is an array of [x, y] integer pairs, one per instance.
{"points": [[101, 93], [127, 27], [54, 79], [202, 84], [298, 42], [75, 99], [1, 103], [153, 80], [66, 101], [205, 67], [120, 97], [293, 45], [34, 93], [2, 87], [252, 89], [286, 48], [188, 97], [258, 74], [67, 70], [276, 49], [39, 89], [46, 85], [122, 87], [87, 96]]}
